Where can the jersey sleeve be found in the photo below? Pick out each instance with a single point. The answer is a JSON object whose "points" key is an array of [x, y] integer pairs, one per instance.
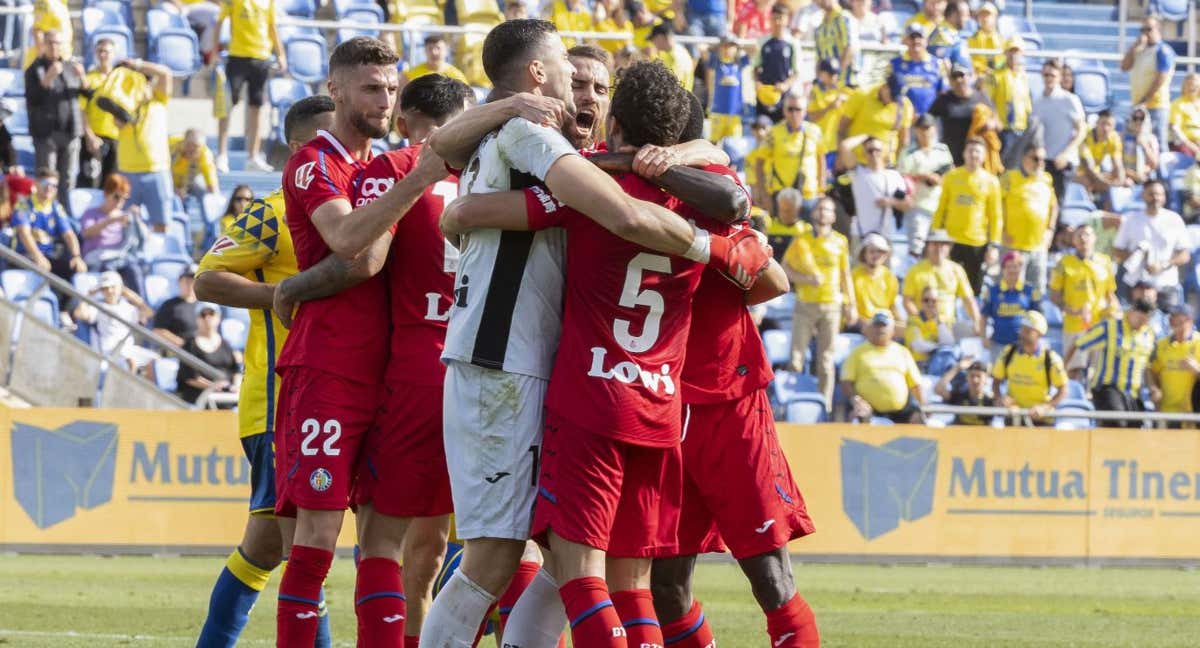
{"points": [[1056, 277], [244, 246], [1165, 61], [21, 213], [530, 148], [1058, 372], [310, 179], [543, 210], [1092, 336]]}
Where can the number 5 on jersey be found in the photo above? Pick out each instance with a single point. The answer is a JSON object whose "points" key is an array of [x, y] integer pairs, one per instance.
{"points": [[311, 429], [633, 296]]}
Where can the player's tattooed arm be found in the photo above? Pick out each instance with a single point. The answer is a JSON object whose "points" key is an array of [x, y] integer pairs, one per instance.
{"points": [[328, 277], [457, 140]]}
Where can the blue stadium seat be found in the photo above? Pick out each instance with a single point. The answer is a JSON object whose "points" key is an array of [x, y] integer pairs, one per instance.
{"points": [[179, 50], [807, 408], [1073, 423], [1054, 316], [166, 371], [843, 345], [82, 199], [122, 40], [1169, 10], [170, 266], [18, 124], [341, 8], [19, 284], [879, 420], [282, 92], [45, 308], [122, 8], [1076, 391], [1171, 162], [159, 289], [364, 14], [160, 20], [1009, 25], [779, 347], [84, 282], [8, 79], [234, 332], [238, 314], [782, 307], [941, 359], [298, 8], [94, 18], [307, 60], [1092, 87], [789, 385], [16, 86]]}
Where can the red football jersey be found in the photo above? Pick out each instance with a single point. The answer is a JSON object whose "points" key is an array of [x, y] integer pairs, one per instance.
{"points": [[345, 334], [420, 270], [626, 316], [725, 355]]}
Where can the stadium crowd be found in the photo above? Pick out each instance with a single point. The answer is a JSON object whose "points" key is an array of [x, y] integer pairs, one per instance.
{"points": [[936, 196]]}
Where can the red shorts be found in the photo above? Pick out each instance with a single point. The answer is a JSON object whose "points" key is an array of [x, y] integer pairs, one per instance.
{"points": [[620, 498], [403, 471], [319, 429], [737, 485]]}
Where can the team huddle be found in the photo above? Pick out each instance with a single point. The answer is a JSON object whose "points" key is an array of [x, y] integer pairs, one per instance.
{"points": [[517, 320]]}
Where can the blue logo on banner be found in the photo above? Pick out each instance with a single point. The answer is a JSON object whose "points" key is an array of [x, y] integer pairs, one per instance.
{"points": [[882, 485], [57, 471]]}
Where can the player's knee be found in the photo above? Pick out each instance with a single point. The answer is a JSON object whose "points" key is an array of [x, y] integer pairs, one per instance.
{"points": [[670, 583], [770, 577], [423, 555], [490, 562], [262, 543]]}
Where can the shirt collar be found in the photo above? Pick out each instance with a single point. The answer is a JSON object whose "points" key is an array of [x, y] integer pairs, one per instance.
{"points": [[337, 145]]}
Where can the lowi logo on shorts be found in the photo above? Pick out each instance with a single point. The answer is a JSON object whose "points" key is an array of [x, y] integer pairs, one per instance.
{"points": [[884, 485]]}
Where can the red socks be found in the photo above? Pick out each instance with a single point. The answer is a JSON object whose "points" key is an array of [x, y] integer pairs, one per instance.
{"points": [[793, 625], [689, 631], [594, 621], [379, 604], [299, 595], [520, 580], [636, 610]]}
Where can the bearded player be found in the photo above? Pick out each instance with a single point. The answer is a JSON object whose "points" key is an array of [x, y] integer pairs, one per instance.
{"points": [[331, 387], [402, 481], [666, 106], [241, 271], [506, 318]]}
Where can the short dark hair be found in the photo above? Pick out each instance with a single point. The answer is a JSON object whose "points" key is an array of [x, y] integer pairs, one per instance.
{"points": [[953, 7], [435, 96], [1143, 306], [1054, 64], [974, 141], [1104, 114], [650, 105], [592, 52], [694, 128], [511, 45], [362, 50], [45, 172], [300, 114], [103, 41], [1153, 181], [434, 38]]}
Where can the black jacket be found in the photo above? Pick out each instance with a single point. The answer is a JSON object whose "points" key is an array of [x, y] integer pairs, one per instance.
{"points": [[53, 109]]}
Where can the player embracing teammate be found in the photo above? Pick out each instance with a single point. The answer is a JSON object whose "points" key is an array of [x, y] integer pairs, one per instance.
{"points": [[334, 447]]}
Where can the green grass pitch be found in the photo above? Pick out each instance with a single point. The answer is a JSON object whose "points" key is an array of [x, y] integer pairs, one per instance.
{"points": [[92, 602]]}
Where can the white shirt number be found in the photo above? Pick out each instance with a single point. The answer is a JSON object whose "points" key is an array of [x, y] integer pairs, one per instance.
{"points": [[633, 296], [311, 428]]}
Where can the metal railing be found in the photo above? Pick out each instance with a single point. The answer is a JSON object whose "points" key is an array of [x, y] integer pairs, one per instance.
{"points": [[1095, 415], [137, 332]]}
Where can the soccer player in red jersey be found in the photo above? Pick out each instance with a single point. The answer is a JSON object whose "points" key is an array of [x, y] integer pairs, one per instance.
{"points": [[504, 324], [755, 507], [610, 475], [402, 482], [333, 362]]}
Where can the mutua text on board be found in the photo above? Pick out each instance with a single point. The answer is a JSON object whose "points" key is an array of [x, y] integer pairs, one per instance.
{"points": [[1124, 480], [164, 467]]}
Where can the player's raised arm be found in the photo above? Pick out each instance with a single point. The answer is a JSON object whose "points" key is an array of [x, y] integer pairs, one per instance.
{"points": [[328, 277], [505, 210], [713, 194], [771, 284], [349, 232], [457, 140]]}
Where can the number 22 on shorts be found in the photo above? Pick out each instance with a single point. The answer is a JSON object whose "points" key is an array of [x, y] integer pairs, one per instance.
{"points": [[311, 429]]}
